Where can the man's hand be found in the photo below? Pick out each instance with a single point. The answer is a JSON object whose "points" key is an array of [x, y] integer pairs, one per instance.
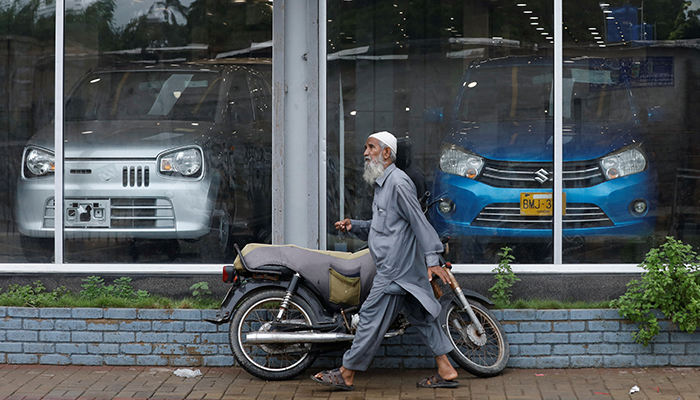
{"points": [[437, 270], [344, 225]]}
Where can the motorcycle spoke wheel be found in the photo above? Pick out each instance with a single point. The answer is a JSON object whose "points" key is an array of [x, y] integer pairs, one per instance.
{"points": [[270, 361], [484, 354]]}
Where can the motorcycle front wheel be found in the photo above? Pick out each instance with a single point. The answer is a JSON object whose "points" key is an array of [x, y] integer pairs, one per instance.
{"points": [[270, 361], [484, 354]]}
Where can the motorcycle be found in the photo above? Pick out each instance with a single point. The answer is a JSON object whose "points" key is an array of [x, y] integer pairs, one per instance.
{"points": [[287, 304]]}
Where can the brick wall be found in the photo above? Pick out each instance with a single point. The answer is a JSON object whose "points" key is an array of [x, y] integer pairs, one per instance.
{"points": [[591, 338], [538, 339], [116, 336]]}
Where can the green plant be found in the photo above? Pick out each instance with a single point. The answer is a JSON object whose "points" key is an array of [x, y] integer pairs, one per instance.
{"points": [[671, 284], [200, 289], [31, 296], [95, 288], [122, 288], [502, 290]]}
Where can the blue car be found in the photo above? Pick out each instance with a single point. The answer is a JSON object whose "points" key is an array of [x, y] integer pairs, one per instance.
{"points": [[495, 176]]}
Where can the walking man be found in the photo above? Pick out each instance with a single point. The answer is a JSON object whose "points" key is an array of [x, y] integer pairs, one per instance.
{"points": [[404, 247]]}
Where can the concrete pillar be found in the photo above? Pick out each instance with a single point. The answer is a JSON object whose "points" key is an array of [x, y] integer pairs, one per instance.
{"points": [[298, 132]]}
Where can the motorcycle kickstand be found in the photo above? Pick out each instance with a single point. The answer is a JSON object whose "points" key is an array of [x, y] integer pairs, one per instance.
{"points": [[288, 296]]}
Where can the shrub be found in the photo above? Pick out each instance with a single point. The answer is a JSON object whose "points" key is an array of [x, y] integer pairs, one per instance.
{"points": [[671, 284], [31, 296], [95, 288]]}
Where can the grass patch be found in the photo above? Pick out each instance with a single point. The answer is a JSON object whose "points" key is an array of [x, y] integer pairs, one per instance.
{"points": [[97, 294], [542, 304], [154, 302]]}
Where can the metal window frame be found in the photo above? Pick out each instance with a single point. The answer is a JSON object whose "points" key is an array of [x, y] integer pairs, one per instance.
{"points": [[58, 129]]}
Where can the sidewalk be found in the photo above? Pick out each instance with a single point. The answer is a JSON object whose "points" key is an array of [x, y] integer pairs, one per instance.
{"points": [[75, 382]]}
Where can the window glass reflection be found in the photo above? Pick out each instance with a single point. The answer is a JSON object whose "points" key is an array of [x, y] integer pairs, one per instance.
{"points": [[646, 125], [503, 142], [167, 132], [26, 105], [467, 89]]}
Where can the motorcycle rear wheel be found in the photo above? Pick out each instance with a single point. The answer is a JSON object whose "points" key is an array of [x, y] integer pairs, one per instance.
{"points": [[270, 361], [481, 355]]}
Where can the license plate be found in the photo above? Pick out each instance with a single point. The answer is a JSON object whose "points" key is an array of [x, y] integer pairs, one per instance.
{"points": [[87, 213], [539, 204]]}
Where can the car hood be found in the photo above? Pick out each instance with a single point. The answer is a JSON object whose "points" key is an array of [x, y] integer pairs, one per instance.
{"points": [[533, 140], [123, 139]]}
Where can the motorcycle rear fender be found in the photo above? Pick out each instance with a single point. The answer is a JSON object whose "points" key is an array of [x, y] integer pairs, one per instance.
{"points": [[478, 297], [239, 292]]}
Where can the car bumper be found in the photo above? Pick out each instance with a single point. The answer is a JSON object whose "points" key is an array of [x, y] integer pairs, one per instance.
{"points": [[607, 209], [108, 205]]}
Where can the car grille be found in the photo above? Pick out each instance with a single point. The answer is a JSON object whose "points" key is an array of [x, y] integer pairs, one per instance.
{"points": [[507, 174], [136, 176], [142, 213], [50, 213], [507, 216], [126, 213]]}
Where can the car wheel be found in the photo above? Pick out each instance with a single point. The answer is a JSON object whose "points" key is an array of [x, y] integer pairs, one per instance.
{"points": [[216, 245], [37, 250]]}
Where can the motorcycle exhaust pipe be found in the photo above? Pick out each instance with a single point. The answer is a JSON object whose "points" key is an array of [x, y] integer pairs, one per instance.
{"points": [[296, 337]]}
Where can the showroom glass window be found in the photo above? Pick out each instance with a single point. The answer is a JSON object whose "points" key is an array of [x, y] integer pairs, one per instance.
{"points": [[167, 133], [631, 77], [26, 106], [467, 89]]}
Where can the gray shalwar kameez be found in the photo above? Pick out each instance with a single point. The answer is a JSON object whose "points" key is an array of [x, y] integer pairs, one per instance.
{"points": [[402, 244]]}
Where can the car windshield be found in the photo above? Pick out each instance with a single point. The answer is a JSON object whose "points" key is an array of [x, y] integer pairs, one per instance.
{"points": [[146, 95], [520, 93]]}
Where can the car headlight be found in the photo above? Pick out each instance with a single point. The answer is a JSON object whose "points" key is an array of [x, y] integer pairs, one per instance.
{"points": [[458, 161], [627, 162], [38, 162], [186, 162]]}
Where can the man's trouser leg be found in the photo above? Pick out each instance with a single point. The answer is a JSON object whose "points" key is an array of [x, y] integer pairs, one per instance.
{"points": [[376, 315], [427, 326]]}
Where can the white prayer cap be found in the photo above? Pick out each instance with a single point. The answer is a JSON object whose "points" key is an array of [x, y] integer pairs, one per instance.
{"points": [[386, 138]]}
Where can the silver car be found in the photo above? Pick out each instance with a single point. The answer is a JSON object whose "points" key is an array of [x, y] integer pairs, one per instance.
{"points": [[157, 152]]}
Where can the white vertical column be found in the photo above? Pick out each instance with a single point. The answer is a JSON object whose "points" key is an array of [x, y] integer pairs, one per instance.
{"points": [[297, 136], [558, 125], [58, 130]]}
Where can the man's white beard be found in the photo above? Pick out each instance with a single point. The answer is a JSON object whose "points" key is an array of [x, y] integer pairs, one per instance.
{"points": [[373, 170]]}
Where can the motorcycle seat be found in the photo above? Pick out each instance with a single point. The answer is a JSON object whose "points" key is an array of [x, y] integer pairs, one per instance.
{"points": [[273, 269], [312, 265]]}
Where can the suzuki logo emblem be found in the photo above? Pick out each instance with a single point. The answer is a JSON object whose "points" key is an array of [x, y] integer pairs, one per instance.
{"points": [[542, 175]]}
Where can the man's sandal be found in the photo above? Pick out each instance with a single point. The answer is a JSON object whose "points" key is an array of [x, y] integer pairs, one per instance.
{"points": [[437, 381], [334, 379]]}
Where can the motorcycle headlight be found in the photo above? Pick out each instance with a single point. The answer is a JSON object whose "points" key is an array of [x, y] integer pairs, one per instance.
{"points": [[38, 162], [458, 161], [627, 162], [185, 162]]}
